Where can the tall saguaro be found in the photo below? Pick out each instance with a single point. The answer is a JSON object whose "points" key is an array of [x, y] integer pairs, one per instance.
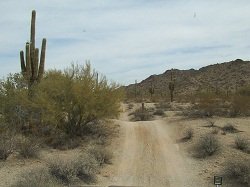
{"points": [[171, 87], [32, 67]]}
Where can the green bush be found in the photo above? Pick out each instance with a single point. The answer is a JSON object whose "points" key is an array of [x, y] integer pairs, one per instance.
{"points": [[65, 101]]}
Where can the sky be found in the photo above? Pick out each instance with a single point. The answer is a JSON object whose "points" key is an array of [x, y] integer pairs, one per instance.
{"points": [[127, 40]]}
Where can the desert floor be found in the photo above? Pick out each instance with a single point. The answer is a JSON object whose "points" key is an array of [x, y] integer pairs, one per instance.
{"points": [[150, 153]]}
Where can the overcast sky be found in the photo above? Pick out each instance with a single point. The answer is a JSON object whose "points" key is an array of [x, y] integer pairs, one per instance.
{"points": [[127, 39]]}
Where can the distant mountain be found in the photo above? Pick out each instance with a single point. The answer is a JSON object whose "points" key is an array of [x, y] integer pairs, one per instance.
{"points": [[227, 76]]}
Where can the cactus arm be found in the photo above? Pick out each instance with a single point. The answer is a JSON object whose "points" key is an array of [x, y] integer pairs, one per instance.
{"points": [[33, 29], [27, 53], [23, 68], [42, 60]]}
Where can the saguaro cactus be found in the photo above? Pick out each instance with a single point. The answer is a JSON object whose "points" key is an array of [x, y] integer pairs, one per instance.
{"points": [[32, 69], [171, 87], [151, 90], [136, 90]]}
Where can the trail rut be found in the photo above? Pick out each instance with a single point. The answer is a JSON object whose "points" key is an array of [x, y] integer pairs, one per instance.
{"points": [[149, 157]]}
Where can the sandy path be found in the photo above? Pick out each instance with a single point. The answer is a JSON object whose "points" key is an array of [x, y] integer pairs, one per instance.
{"points": [[150, 157]]}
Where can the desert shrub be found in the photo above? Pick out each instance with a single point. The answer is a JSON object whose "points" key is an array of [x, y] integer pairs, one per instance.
{"points": [[210, 104], [102, 155], [188, 133], [210, 123], [215, 131], [238, 171], [159, 112], [229, 128], [207, 103], [102, 128], [36, 177], [63, 170], [27, 148], [130, 106], [206, 146], [241, 143], [87, 167], [7, 145], [142, 115], [240, 103], [244, 91], [240, 106], [62, 141], [163, 105], [67, 171], [194, 113]]}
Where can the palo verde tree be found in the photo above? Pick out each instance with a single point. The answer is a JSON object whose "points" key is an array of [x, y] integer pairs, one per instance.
{"points": [[32, 67]]}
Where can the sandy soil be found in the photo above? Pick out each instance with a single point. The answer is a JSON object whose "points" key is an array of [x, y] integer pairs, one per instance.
{"points": [[150, 156]]}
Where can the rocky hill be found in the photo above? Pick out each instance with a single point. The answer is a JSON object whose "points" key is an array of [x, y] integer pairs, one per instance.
{"points": [[224, 77]]}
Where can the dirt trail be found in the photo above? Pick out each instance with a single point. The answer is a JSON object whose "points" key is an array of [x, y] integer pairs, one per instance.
{"points": [[150, 157]]}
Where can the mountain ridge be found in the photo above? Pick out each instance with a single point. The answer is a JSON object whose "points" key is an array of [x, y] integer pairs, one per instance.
{"points": [[220, 77]]}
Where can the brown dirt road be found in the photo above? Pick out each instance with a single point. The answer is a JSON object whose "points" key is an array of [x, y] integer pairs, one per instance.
{"points": [[150, 157]]}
